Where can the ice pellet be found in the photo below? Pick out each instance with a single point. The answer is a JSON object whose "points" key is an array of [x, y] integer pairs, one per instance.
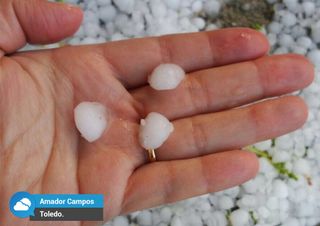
{"points": [[154, 130], [166, 77], [90, 119]]}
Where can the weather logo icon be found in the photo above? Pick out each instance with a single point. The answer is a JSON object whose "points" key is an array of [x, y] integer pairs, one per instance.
{"points": [[22, 204]]}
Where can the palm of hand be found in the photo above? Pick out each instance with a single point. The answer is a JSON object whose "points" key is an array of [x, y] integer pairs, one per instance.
{"points": [[45, 149]]}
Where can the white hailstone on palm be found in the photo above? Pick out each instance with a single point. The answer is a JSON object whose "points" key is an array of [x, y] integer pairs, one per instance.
{"points": [[166, 77], [90, 119], [154, 130]]}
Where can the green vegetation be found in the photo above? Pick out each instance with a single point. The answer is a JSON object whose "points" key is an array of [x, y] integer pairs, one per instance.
{"points": [[228, 213], [280, 167], [246, 13], [254, 219]]}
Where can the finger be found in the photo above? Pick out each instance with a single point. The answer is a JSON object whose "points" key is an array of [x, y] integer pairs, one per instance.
{"points": [[35, 21], [166, 182], [133, 60], [229, 130], [229, 86]]}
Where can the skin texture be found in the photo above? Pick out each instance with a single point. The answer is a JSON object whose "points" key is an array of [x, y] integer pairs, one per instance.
{"points": [[42, 152]]}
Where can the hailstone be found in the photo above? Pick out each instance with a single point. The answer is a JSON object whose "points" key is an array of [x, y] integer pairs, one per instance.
{"points": [[166, 77], [154, 130], [90, 119]]}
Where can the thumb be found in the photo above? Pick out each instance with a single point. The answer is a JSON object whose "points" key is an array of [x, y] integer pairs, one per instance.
{"points": [[36, 22]]}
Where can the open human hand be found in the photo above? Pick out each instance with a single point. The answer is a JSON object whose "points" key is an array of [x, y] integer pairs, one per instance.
{"points": [[42, 152]]}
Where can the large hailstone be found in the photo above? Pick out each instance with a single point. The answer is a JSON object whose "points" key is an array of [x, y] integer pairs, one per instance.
{"points": [[90, 119], [166, 77], [154, 130]]}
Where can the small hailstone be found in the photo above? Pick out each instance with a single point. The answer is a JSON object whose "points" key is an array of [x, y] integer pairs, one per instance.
{"points": [[121, 221], [291, 222], [302, 166], [248, 201], [284, 205], [314, 56], [212, 7], [225, 202], [239, 217], [305, 42], [315, 33], [166, 77], [272, 38], [251, 186], [144, 218], [103, 2], [286, 40], [125, 5], [88, 41], [166, 214], [156, 218], [199, 22], [272, 203], [264, 145], [193, 219], [158, 9], [280, 189], [263, 212], [291, 4], [284, 142], [308, 7], [265, 165], [217, 218], [176, 221], [91, 29], [232, 192], [107, 13], [154, 130], [197, 6], [275, 27], [289, 19], [280, 156], [173, 4], [90, 119]]}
